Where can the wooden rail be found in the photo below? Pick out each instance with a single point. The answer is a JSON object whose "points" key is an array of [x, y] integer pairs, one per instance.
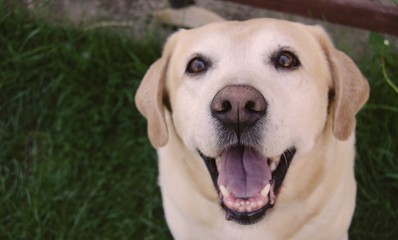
{"points": [[362, 14]]}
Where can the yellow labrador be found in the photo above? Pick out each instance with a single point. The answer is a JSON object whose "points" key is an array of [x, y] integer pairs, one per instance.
{"points": [[254, 127]]}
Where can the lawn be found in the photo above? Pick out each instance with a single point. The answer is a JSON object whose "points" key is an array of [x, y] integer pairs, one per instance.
{"points": [[75, 162]]}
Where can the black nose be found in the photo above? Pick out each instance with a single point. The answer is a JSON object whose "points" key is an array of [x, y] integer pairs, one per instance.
{"points": [[238, 106]]}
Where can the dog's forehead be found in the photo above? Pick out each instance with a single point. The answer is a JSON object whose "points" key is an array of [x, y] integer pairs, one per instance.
{"points": [[261, 33]]}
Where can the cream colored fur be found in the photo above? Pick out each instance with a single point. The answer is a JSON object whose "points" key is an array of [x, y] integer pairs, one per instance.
{"points": [[312, 108]]}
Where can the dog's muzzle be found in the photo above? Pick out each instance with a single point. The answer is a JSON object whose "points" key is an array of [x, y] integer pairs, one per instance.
{"points": [[246, 181]]}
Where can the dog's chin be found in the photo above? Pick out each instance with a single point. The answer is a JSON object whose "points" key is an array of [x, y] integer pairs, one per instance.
{"points": [[246, 181]]}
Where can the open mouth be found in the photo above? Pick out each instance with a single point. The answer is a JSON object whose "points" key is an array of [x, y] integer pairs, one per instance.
{"points": [[247, 182]]}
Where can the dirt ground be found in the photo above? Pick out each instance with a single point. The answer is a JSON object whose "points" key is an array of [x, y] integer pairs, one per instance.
{"points": [[136, 15]]}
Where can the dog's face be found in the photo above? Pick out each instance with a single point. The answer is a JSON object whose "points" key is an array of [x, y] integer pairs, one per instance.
{"points": [[248, 97]]}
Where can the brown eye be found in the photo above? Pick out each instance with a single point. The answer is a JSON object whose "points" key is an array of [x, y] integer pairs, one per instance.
{"points": [[286, 60], [197, 65]]}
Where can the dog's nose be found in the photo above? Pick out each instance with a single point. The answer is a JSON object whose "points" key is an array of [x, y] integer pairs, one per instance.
{"points": [[238, 106]]}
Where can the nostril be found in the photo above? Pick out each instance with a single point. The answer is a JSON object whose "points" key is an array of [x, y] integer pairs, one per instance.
{"points": [[255, 106], [226, 106], [220, 106], [251, 106]]}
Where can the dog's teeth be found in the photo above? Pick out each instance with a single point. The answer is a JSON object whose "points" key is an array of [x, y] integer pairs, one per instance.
{"points": [[272, 166], [274, 163], [246, 205], [265, 190], [224, 191]]}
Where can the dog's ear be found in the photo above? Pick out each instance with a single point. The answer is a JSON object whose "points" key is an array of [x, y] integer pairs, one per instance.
{"points": [[350, 88], [149, 97], [351, 92]]}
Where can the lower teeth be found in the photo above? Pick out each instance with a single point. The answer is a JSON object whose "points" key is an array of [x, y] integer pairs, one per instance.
{"points": [[246, 206], [251, 204]]}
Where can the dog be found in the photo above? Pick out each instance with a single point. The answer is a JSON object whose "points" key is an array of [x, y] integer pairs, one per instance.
{"points": [[254, 126]]}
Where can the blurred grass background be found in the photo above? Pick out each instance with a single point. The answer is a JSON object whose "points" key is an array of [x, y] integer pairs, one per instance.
{"points": [[75, 162]]}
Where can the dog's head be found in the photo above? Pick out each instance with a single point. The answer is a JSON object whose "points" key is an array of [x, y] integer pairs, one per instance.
{"points": [[247, 97]]}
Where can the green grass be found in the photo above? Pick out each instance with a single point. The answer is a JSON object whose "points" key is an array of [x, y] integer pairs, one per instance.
{"points": [[376, 216], [75, 162]]}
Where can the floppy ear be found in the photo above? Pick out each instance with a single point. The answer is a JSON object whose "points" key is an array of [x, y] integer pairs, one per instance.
{"points": [[351, 89], [351, 93], [149, 98]]}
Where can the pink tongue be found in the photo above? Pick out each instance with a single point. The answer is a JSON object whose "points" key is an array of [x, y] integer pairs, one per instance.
{"points": [[243, 171]]}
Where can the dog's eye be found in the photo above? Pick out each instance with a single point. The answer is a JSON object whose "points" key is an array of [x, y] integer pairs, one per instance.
{"points": [[197, 65], [286, 60]]}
